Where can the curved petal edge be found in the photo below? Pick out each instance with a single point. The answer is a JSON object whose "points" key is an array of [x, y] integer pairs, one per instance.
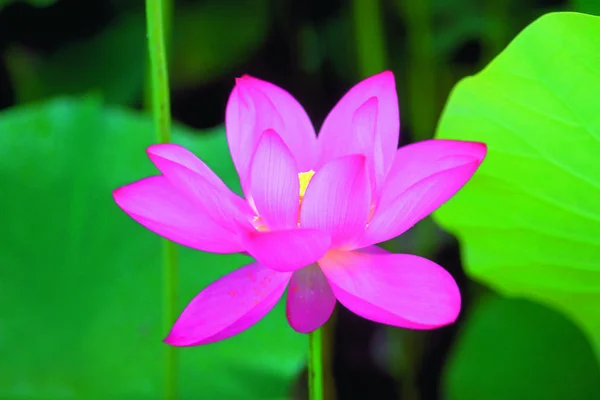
{"points": [[229, 306], [395, 289]]}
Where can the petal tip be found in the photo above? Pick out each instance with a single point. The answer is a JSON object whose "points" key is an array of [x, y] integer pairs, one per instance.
{"points": [[453, 305], [153, 151], [171, 153], [180, 339], [119, 195], [382, 82], [270, 133], [452, 317], [245, 80], [384, 76], [301, 329], [157, 147], [297, 327], [476, 150], [173, 340], [482, 149]]}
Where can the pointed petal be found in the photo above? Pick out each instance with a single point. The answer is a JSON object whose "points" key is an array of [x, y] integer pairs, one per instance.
{"points": [[192, 177], [423, 177], [338, 199], [334, 137], [287, 250], [255, 106], [310, 301], [156, 204], [368, 140], [229, 306], [395, 289], [274, 184], [165, 155]]}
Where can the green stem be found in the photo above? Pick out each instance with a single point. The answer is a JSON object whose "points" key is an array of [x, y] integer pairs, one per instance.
{"points": [[167, 18], [423, 107], [368, 32], [315, 365], [161, 112], [411, 342], [498, 29]]}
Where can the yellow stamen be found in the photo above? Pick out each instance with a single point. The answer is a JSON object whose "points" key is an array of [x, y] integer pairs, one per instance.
{"points": [[259, 225], [304, 178]]}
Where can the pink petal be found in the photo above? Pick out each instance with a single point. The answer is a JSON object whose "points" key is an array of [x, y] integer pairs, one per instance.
{"points": [[373, 250], [229, 306], [165, 155], [338, 135], [194, 178], [287, 250], [310, 301], [423, 177], [274, 184], [367, 140], [395, 289], [160, 207], [255, 106], [338, 199]]}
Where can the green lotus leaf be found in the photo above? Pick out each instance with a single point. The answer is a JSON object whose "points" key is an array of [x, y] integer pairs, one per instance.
{"points": [[529, 220], [517, 349], [81, 285]]}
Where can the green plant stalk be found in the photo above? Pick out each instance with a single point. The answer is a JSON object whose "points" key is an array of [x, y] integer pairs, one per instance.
{"points": [[423, 106], [327, 337], [412, 345], [368, 31], [498, 29], [161, 112], [167, 18], [315, 365]]}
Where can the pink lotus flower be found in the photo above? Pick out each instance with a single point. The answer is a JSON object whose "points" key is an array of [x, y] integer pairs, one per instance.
{"points": [[314, 209]]}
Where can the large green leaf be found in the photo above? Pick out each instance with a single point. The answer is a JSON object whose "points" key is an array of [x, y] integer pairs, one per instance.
{"points": [[80, 283], [529, 220], [516, 349]]}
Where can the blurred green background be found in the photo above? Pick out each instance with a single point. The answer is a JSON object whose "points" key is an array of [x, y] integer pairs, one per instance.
{"points": [[81, 302]]}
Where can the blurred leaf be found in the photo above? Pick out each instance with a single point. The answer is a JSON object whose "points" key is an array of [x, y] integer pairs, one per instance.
{"points": [[529, 220], [368, 37], [586, 6], [211, 38], [420, 65], [336, 46], [489, 24], [80, 283], [130, 5], [424, 239], [455, 22], [516, 349], [111, 63], [36, 3]]}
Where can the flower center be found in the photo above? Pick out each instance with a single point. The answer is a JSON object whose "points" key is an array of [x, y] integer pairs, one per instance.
{"points": [[304, 178]]}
